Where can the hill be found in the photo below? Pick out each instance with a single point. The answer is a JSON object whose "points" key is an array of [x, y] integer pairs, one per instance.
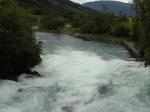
{"points": [[57, 6], [111, 6]]}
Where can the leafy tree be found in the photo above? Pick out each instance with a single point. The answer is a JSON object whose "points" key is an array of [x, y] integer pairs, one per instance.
{"points": [[122, 31], [136, 31], [147, 55], [89, 27], [143, 22], [101, 24], [19, 49], [53, 22], [104, 22], [79, 20]]}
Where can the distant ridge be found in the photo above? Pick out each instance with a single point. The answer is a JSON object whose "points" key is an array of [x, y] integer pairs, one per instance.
{"points": [[111, 6], [56, 6]]}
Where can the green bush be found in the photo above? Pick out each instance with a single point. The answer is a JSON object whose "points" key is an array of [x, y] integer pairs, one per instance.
{"points": [[104, 22], [147, 55], [89, 27], [53, 22], [99, 25], [79, 20], [121, 31], [19, 49]]}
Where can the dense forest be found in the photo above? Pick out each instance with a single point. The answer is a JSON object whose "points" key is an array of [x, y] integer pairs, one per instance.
{"points": [[20, 51]]}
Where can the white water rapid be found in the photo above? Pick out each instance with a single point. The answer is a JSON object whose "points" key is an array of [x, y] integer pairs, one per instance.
{"points": [[79, 76]]}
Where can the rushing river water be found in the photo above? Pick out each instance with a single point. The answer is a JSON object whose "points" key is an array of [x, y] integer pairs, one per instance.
{"points": [[80, 76]]}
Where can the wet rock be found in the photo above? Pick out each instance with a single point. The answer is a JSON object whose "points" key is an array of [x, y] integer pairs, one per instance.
{"points": [[67, 109], [14, 75], [106, 89], [29, 77], [21, 90], [35, 73], [103, 89]]}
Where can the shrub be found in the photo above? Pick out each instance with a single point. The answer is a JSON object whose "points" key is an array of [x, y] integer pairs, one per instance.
{"points": [[122, 31], [19, 49], [89, 27], [147, 55], [53, 22], [104, 22]]}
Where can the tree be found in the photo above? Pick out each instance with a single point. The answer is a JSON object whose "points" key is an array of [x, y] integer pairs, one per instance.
{"points": [[104, 22], [136, 31], [122, 31], [143, 22], [19, 49], [53, 22], [89, 27]]}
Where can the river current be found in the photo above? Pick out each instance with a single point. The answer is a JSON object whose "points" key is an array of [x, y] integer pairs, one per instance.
{"points": [[79, 76]]}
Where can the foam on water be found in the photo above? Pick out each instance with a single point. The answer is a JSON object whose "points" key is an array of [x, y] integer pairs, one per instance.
{"points": [[79, 76]]}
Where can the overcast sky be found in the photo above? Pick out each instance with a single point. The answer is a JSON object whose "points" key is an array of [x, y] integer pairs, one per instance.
{"points": [[83, 1]]}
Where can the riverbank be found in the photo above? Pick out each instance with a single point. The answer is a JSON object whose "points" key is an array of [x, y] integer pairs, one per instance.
{"points": [[130, 45], [101, 38]]}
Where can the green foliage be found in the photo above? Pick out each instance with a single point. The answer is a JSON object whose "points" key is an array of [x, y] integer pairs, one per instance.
{"points": [[19, 50], [147, 55], [143, 24], [143, 20], [78, 20], [122, 31], [53, 22], [89, 27], [104, 22], [136, 31]]}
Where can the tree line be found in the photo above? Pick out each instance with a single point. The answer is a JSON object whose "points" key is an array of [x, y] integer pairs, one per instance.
{"points": [[102, 23]]}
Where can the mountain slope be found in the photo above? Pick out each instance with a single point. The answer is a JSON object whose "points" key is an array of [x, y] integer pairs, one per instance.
{"points": [[111, 6], [58, 6]]}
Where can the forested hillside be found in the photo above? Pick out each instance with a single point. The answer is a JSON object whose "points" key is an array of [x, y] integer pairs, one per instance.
{"points": [[57, 6]]}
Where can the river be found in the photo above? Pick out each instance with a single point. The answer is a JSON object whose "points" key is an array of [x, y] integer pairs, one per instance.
{"points": [[79, 76]]}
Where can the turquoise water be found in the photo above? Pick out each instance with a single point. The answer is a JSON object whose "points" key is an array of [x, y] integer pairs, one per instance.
{"points": [[80, 76]]}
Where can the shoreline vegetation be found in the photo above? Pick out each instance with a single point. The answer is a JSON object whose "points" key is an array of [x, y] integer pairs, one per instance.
{"points": [[19, 49]]}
